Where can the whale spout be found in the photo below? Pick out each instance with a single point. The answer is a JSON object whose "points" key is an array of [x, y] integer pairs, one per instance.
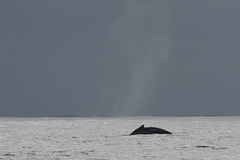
{"points": [[149, 130]]}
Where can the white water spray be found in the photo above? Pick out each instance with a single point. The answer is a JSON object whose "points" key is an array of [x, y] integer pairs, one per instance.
{"points": [[141, 33]]}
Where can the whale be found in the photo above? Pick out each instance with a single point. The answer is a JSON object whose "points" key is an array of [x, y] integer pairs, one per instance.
{"points": [[149, 130]]}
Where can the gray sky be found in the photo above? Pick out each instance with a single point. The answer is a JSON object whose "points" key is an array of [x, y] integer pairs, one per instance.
{"points": [[110, 57]]}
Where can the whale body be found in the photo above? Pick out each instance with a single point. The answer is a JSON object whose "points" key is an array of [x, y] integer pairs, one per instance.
{"points": [[149, 130]]}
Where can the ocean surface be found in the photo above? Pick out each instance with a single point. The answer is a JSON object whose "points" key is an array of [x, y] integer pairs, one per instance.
{"points": [[107, 138]]}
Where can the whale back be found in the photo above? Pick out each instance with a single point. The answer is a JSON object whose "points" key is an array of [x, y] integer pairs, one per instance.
{"points": [[138, 130], [149, 130]]}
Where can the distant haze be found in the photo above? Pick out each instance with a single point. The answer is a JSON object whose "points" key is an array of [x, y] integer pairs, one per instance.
{"points": [[124, 58]]}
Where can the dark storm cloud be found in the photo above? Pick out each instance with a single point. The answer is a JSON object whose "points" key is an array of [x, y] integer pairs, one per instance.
{"points": [[204, 68], [88, 57], [49, 54]]}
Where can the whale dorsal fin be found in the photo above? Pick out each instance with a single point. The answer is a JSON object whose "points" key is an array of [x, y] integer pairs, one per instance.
{"points": [[142, 126]]}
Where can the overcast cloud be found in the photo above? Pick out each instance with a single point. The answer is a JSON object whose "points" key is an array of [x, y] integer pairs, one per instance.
{"points": [[90, 58]]}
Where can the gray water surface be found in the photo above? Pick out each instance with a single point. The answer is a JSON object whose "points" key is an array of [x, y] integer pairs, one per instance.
{"points": [[215, 138]]}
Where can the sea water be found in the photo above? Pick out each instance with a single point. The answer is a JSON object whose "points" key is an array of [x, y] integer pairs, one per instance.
{"points": [[107, 138]]}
